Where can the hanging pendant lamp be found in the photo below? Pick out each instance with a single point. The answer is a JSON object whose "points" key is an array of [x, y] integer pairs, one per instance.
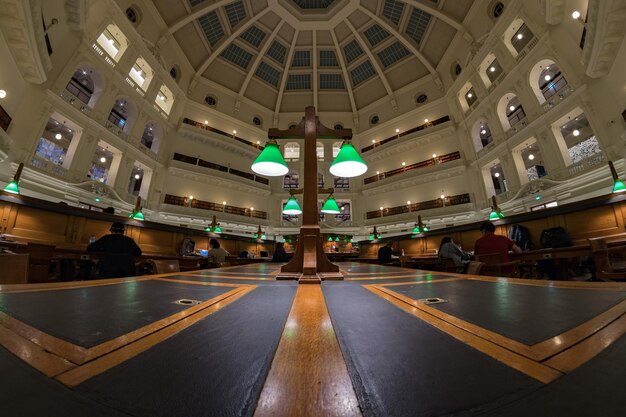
{"points": [[348, 162], [292, 207], [330, 206], [270, 162], [495, 210], [13, 186], [618, 184]]}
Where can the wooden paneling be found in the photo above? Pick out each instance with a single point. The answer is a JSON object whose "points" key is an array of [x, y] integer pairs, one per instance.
{"points": [[593, 222], [14, 268], [157, 241], [38, 225], [92, 227]]}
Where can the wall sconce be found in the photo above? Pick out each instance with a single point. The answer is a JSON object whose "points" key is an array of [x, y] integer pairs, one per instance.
{"points": [[13, 186], [618, 184], [495, 210], [137, 213], [214, 227]]}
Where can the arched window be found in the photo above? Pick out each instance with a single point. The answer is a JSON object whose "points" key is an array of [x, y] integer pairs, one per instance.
{"points": [[151, 137], [336, 148], [547, 80], [111, 42], [481, 134], [517, 37], [510, 111], [122, 114], [292, 151], [291, 181], [86, 85], [319, 150]]}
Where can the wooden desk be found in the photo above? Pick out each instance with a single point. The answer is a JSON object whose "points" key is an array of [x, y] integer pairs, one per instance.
{"points": [[560, 255]]}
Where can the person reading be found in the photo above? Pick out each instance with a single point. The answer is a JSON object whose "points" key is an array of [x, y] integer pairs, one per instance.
{"points": [[280, 255], [118, 254], [448, 249], [490, 243], [217, 254]]}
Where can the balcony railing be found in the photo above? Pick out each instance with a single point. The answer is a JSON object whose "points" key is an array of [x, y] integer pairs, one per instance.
{"points": [[423, 205], [423, 164], [49, 167], [221, 132], [211, 165], [207, 205], [439, 121], [75, 102], [586, 164]]}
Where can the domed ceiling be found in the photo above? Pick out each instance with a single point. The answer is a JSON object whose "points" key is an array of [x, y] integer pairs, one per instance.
{"points": [[338, 55]]}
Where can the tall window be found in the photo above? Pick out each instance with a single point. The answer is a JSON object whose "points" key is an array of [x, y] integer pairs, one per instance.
{"points": [[55, 141], [119, 113], [515, 112], [81, 85], [292, 151], [113, 42], [291, 181], [551, 81], [165, 99], [141, 73]]}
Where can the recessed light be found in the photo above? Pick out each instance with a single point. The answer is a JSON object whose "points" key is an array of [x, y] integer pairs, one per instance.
{"points": [[137, 176], [58, 136], [547, 77], [520, 36], [575, 14], [492, 69], [576, 132], [512, 108], [531, 156], [497, 174], [469, 95], [103, 159]]}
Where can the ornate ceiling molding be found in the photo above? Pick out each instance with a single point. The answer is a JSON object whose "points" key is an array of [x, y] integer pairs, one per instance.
{"points": [[555, 9], [76, 13], [25, 36], [230, 145], [418, 178], [606, 26]]}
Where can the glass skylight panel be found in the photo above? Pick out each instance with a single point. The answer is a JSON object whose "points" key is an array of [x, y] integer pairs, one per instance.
{"points": [[195, 2], [328, 59], [352, 51], [393, 11], [254, 36], [392, 54], [418, 22], [362, 73], [299, 82], [375, 35], [211, 27], [277, 51], [236, 13], [331, 82], [268, 74], [313, 4], [237, 55], [301, 59]]}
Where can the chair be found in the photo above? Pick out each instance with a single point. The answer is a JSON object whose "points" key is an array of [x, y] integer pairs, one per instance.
{"points": [[494, 267], [40, 263], [164, 266], [475, 268], [448, 265], [606, 266]]}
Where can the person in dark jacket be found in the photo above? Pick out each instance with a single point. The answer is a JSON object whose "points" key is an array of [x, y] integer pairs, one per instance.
{"points": [[279, 253], [118, 252]]}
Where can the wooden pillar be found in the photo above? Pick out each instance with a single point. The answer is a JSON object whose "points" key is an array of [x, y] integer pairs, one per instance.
{"points": [[309, 263]]}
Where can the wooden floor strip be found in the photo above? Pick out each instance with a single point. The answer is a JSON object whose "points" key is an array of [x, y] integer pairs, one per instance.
{"points": [[308, 376], [103, 363], [588, 348], [521, 363]]}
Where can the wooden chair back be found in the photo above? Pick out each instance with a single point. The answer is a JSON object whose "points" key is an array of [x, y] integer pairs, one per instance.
{"points": [[475, 268], [40, 265], [164, 266]]}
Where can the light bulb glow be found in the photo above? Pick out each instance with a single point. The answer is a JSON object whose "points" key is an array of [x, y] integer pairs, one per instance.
{"points": [[520, 36], [103, 159], [575, 14], [497, 174], [3, 93], [492, 69], [576, 132], [469, 95], [483, 132], [58, 136], [547, 77], [137, 176], [531, 156], [511, 108]]}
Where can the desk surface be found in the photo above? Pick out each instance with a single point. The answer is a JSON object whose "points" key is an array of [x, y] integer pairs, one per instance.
{"points": [[247, 344]]}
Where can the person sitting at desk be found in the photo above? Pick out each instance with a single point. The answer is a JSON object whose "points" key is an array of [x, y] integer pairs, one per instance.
{"points": [[450, 250], [490, 243], [279, 253], [387, 253], [118, 252], [216, 253]]}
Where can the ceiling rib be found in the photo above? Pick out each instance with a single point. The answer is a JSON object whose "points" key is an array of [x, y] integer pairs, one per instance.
{"points": [[229, 40], [442, 16], [283, 81], [407, 44], [315, 80], [208, 8], [373, 61], [346, 79], [259, 58]]}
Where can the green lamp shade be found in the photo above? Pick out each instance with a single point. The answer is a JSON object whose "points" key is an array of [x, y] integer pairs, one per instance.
{"points": [[330, 206], [416, 230], [495, 215], [371, 237], [217, 230], [337, 239], [13, 188], [270, 162], [137, 215], [330, 238], [618, 187], [292, 206], [348, 163]]}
